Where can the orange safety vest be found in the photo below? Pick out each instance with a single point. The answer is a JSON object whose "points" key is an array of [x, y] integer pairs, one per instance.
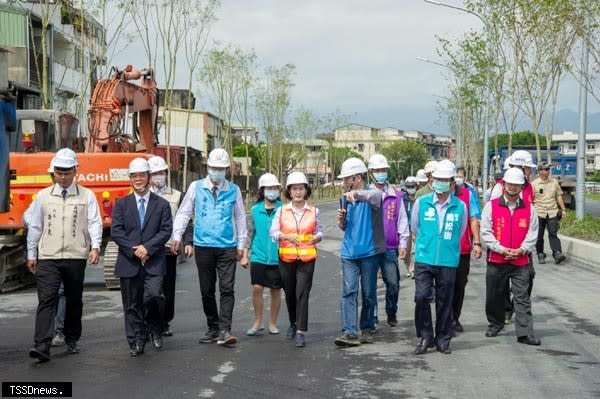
{"points": [[303, 230]]}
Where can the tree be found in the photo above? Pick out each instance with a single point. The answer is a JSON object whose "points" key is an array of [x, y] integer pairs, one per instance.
{"points": [[272, 103], [305, 125], [405, 158]]}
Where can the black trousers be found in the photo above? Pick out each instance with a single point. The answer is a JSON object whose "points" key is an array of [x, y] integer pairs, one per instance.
{"points": [[552, 224], [497, 279], [462, 277], [50, 273], [169, 289], [441, 280], [213, 263], [297, 280], [143, 305]]}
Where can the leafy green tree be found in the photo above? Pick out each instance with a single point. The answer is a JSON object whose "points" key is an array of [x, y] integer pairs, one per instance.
{"points": [[254, 153], [524, 138], [405, 158]]}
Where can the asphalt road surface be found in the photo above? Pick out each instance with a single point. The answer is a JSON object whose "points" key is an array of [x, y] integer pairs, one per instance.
{"points": [[566, 365]]}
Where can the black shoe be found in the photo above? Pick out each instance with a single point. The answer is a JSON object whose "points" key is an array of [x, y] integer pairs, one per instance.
{"points": [[458, 327], [529, 340], [72, 348], [156, 340], [42, 354], [444, 349], [167, 333], [291, 332], [541, 258], [423, 345], [225, 338], [210, 337], [559, 257], [392, 321], [136, 350], [491, 333]]}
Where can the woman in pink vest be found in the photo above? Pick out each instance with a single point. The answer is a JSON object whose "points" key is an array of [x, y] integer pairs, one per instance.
{"points": [[509, 231]]}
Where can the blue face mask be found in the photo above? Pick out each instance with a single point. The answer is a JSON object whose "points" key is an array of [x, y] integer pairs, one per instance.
{"points": [[440, 187], [271, 195], [380, 177], [216, 175]]}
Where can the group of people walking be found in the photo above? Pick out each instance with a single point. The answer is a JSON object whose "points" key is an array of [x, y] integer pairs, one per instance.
{"points": [[433, 225]]}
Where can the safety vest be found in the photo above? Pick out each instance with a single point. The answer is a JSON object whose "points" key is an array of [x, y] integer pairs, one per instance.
{"points": [[303, 230], [510, 229], [464, 195], [65, 232]]}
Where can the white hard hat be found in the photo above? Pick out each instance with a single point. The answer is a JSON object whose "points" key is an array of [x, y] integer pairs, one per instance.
{"points": [[218, 158], [521, 158], [421, 176], [64, 158], [514, 176], [430, 167], [157, 164], [410, 180], [378, 161], [296, 178], [351, 167], [268, 180], [444, 169], [51, 168], [507, 163], [138, 165]]}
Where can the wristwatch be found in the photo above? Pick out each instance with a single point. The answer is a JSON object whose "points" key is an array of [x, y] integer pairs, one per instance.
{"points": [[478, 244]]}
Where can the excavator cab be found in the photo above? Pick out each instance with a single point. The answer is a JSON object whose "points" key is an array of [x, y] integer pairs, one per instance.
{"points": [[45, 131]]}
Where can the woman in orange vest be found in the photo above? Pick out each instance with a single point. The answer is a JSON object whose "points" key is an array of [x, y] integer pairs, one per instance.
{"points": [[297, 227]]}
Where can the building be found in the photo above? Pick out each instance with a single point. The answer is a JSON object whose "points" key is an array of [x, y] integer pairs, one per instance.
{"points": [[366, 140], [203, 132], [74, 45], [315, 162], [567, 142]]}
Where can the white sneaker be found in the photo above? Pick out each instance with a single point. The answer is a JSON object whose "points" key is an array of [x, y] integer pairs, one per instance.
{"points": [[58, 339]]}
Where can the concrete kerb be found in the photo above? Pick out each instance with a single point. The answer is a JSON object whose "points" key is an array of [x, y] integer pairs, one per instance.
{"points": [[580, 252]]}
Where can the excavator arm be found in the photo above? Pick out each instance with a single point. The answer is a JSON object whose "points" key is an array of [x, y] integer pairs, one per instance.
{"points": [[112, 102]]}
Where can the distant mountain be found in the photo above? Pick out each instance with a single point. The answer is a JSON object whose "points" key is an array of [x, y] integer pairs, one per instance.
{"points": [[567, 119]]}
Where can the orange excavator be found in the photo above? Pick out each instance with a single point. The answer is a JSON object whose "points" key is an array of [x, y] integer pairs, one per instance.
{"points": [[112, 142]]}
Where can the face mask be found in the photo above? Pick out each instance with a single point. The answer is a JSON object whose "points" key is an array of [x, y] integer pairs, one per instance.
{"points": [[380, 177], [271, 195], [411, 191], [216, 175], [512, 193], [159, 181], [440, 187], [459, 181]]}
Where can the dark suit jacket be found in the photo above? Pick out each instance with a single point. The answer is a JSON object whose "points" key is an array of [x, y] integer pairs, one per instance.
{"points": [[127, 233]]}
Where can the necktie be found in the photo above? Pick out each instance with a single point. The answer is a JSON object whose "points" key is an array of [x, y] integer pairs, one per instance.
{"points": [[142, 211], [214, 192], [64, 194]]}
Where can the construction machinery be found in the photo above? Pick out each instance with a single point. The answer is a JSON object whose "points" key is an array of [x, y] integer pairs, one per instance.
{"points": [[112, 142]]}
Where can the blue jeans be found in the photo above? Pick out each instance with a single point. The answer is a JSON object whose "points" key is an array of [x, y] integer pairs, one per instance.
{"points": [[352, 270], [391, 278]]}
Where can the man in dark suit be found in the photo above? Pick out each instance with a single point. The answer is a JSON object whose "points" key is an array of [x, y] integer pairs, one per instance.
{"points": [[141, 226]]}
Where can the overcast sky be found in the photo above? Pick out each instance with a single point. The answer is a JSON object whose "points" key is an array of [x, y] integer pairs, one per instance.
{"points": [[358, 56]]}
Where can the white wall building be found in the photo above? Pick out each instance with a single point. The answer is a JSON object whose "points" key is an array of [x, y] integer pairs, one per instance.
{"points": [[567, 142]]}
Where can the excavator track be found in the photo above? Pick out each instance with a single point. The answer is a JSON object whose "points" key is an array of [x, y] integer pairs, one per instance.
{"points": [[110, 259], [13, 265]]}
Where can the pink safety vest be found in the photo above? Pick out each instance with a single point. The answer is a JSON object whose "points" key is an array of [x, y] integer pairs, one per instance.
{"points": [[510, 230], [465, 241]]}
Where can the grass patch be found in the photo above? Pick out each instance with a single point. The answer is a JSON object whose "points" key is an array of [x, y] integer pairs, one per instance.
{"points": [[593, 196], [586, 229]]}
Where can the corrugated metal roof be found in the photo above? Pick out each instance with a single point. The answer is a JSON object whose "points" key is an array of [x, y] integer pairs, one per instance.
{"points": [[12, 27]]}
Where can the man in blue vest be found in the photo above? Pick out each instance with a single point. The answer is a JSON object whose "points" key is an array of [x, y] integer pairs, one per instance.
{"points": [[439, 220], [219, 240]]}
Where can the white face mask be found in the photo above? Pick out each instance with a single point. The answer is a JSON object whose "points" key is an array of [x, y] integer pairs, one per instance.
{"points": [[271, 195], [159, 181], [459, 181], [411, 191], [216, 175]]}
